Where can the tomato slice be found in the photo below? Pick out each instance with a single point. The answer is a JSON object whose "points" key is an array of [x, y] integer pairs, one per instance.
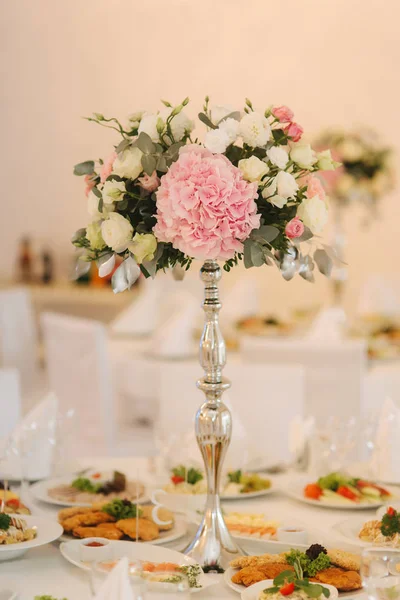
{"points": [[347, 493], [177, 479], [287, 589], [313, 491]]}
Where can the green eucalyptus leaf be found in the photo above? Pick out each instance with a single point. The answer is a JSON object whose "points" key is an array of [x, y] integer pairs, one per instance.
{"points": [[257, 255], [162, 164], [171, 155], [145, 144], [279, 136], [96, 192], [123, 146], [84, 168], [204, 119], [123, 204], [125, 276], [265, 234], [306, 235], [101, 204], [248, 263], [323, 261], [149, 163], [82, 267], [233, 115]]}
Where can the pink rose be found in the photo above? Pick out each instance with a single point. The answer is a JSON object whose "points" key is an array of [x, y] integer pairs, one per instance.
{"points": [[294, 228], [89, 184], [282, 113], [149, 182], [315, 188], [204, 206], [107, 166], [294, 131]]}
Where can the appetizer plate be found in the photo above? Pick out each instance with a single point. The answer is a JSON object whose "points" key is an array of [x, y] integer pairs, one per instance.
{"points": [[40, 492], [179, 530], [350, 528], [138, 551], [253, 592], [48, 530], [295, 490], [270, 490]]}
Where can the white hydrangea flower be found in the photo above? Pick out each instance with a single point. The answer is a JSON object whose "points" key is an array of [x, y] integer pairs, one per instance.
{"points": [[216, 141], [278, 156], [113, 191], [255, 129], [231, 128]]}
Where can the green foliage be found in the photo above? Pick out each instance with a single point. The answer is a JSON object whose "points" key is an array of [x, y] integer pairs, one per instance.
{"points": [[308, 566], [85, 485], [191, 475], [121, 509], [84, 168], [390, 524], [333, 481], [235, 476], [5, 521]]}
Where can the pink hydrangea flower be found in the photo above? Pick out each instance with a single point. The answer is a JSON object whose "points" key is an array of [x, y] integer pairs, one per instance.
{"points": [[89, 184], [204, 206], [315, 188], [149, 182], [107, 166], [294, 131], [282, 113], [295, 228]]}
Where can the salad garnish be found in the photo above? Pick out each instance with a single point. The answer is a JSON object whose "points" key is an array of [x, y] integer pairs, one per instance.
{"points": [[338, 485], [251, 482], [116, 484], [180, 474], [122, 509], [390, 524], [5, 521], [316, 560], [288, 581]]}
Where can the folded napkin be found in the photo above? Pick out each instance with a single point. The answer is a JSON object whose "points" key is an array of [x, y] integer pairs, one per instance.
{"points": [[385, 458], [240, 302], [328, 325], [379, 295], [117, 585], [32, 443], [140, 317], [174, 338]]}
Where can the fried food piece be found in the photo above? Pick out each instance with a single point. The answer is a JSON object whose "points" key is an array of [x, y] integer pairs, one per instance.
{"points": [[250, 575], [87, 519], [253, 561], [346, 560], [163, 514], [66, 513], [104, 530], [146, 530], [344, 581]]}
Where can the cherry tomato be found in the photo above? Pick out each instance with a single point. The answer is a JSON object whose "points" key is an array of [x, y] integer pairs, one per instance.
{"points": [[347, 493], [14, 503], [177, 479], [96, 475], [287, 589], [312, 490], [390, 511]]}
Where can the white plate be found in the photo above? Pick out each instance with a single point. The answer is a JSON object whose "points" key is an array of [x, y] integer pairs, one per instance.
{"points": [[138, 551], [178, 531], [48, 530], [253, 592], [40, 492], [295, 490], [350, 528]]}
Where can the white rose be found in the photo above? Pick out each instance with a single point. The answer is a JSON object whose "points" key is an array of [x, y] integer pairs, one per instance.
{"points": [[314, 213], [255, 129], [93, 234], [253, 169], [93, 207], [181, 124], [219, 111], [149, 124], [269, 190], [303, 155], [278, 201], [231, 128], [326, 162], [278, 156], [113, 191], [128, 163], [117, 232], [216, 141], [143, 247], [286, 185]]}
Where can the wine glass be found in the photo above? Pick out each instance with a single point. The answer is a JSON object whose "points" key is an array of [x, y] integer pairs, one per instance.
{"points": [[380, 573]]}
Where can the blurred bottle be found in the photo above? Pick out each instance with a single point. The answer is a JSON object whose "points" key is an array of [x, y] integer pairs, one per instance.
{"points": [[48, 267], [25, 260]]}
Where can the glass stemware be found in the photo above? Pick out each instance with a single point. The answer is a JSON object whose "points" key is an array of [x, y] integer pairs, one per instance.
{"points": [[380, 573]]}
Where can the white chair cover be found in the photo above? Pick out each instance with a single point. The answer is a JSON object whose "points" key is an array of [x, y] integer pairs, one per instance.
{"points": [[334, 372], [79, 371], [141, 317], [18, 334], [10, 401]]}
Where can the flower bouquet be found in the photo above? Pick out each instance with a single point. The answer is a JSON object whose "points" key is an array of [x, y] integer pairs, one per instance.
{"points": [[163, 198], [365, 174]]}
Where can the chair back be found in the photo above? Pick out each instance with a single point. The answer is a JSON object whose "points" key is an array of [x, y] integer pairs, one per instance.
{"points": [[10, 401]]}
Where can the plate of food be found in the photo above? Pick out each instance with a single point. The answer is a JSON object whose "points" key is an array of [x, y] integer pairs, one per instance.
{"points": [[122, 520], [187, 487], [13, 503], [338, 490], [257, 526], [381, 531], [382, 334], [19, 534], [264, 326], [84, 490], [329, 567], [154, 559], [289, 586]]}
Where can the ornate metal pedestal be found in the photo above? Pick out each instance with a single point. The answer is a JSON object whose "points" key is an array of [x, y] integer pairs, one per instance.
{"points": [[213, 546], [339, 274]]}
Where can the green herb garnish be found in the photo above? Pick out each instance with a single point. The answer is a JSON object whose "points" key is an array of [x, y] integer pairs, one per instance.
{"points": [[333, 481], [122, 509], [85, 485], [47, 598], [390, 524], [5, 521], [235, 476], [313, 590], [192, 572], [309, 567], [191, 476]]}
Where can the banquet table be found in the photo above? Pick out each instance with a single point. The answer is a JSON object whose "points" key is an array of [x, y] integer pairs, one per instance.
{"points": [[44, 570]]}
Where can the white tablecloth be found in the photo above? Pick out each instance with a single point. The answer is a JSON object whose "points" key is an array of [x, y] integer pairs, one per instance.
{"points": [[44, 571]]}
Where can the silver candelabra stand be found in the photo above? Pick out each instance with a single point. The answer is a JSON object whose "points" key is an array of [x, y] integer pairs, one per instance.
{"points": [[213, 546]]}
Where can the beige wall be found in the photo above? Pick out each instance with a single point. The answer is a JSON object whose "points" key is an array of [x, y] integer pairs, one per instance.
{"points": [[331, 61]]}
